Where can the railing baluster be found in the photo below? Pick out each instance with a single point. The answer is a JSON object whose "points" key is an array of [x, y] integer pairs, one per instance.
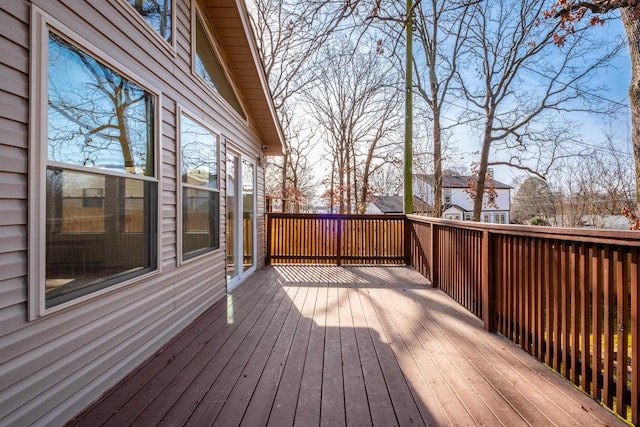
{"points": [[608, 389], [585, 317], [575, 314], [622, 331], [634, 279], [596, 331]]}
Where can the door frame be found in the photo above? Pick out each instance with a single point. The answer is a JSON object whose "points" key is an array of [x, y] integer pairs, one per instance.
{"points": [[238, 231]]}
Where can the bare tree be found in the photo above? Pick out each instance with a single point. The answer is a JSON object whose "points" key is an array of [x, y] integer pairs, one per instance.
{"points": [[533, 199], [291, 176], [516, 81], [356, 105], [290, 35], [441, 27], [595, 186], [388, 178], [571, 13]]}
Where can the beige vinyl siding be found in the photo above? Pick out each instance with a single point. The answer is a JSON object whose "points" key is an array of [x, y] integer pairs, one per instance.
{"points": [[51, 368], [14, 114]]}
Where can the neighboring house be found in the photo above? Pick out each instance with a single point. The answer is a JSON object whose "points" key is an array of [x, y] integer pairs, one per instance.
{"points": [[606, 222], [132, 192], [457, 203], [392, 205]]}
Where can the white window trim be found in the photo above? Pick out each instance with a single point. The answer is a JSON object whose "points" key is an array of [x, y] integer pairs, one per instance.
{"points": [[41, 24], [197, 13], [179, 217], [170, 47]]}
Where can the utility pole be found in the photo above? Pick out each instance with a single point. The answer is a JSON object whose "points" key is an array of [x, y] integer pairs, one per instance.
{"points": [[408, 116]]}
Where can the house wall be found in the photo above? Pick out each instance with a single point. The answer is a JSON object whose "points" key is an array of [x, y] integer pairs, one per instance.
{"points": [[461, 198], [54, 366]]}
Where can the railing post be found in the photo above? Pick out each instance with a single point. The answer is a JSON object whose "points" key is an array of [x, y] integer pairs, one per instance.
{"points": [[267, 259], [488, 301], [433, 255], [408, 255], [339, 248]]}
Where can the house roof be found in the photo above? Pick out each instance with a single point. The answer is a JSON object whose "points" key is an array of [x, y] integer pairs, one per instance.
{"points": [[395, 204], [457, 181], [230, 20]]}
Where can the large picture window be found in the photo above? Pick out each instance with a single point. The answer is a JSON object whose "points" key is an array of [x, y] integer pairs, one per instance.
{"points": [[99, 176], [200, 188]]}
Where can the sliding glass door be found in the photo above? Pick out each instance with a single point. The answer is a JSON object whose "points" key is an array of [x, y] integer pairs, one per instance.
{"points": [[241, 218]]}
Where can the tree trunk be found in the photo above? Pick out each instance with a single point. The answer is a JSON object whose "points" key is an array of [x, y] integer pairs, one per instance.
{"points": [[364, 194], [482, 167], [332, 188], [437, 164], [632, 28], [341, 181], [347, 172], [283, 191]]}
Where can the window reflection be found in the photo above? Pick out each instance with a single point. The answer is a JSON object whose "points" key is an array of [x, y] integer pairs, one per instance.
{"points": [[96, 117], [209, 68], [157, 13], [101, 225], [200, 196], [199, 154]]}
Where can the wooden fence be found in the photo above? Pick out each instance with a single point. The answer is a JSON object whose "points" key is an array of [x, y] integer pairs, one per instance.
{"points": [[335, 239], [568, 297]]}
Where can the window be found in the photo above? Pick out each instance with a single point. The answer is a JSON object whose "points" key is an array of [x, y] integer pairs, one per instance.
{"points": [[98, 156], [487, 217], [200, 189], [500, 218], [455, 217], [467, 216], [447, 195], [158, 14], [208, 67]]}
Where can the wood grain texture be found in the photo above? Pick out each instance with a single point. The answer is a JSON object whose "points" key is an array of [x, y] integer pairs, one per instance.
{"points": [[354, 346]]}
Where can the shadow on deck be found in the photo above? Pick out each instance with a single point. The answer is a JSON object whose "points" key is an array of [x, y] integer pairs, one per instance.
{"points": [[310, 345]]}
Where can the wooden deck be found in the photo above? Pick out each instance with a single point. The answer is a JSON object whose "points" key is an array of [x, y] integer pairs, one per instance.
{"points": [[322, 345]]}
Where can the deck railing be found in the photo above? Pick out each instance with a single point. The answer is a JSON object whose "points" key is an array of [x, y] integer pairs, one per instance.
{"points": [[335, 239], [568, 297]]}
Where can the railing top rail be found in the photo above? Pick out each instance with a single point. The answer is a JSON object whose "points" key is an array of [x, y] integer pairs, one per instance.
{"points": [[394, 217], [610, 237]]}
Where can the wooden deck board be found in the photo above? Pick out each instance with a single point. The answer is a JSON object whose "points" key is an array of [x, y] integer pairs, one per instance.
{"points": [[357, 409], [325, 345], [310, 397], [285, 401]]}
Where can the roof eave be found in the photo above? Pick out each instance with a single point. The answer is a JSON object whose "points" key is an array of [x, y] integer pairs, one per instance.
{"points": [[227, 17]]}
